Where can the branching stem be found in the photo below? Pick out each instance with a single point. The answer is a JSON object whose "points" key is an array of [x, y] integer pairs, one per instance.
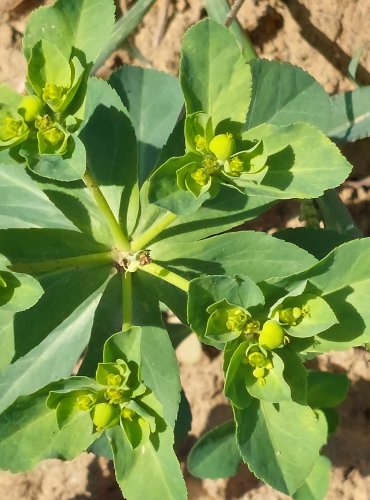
{"points": [[166, 275], [115, 229], [148, 236]]}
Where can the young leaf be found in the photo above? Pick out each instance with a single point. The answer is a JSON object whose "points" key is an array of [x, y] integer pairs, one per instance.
{"points": [[213, 74], [24, 295], [283, 94], [215, 454], [157, 456], [82, 24], [273, 438]]}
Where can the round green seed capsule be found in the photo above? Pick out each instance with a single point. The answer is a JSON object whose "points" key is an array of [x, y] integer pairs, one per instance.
{"points": [[222, 146], [272, 335], [105, 415], [30, 107]]}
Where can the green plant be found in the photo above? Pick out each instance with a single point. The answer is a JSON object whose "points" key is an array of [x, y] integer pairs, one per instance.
{"points": [[112, 203]]}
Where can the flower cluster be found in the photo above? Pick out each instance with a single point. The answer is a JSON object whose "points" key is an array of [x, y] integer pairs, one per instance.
{"points": [[218, 158]]}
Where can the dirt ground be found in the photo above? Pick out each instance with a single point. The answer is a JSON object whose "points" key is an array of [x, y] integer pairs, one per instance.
{"points": [[320, 36]]}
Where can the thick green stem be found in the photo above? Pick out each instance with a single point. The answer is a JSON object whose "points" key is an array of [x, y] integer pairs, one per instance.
{"points": [[166, 275], [47, 266], [126, 302], [148, 236], [115, 229]]}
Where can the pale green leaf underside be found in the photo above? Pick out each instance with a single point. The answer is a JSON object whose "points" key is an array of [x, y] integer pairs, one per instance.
{"points": [[316, 485]]}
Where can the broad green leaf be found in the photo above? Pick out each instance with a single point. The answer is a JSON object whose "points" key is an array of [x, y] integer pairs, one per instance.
{"points": [[9, 96], [23, 204], [350, 115], [283, 94], [326, 389], [153, 119], [183, 422], [275, 389], [50, 332], [295, 374], [343, 277], [29, 433], [302, 161], [215, 454], [83, 24], [235, 378], [69, 167], [233, 253], [318, 242], [316, 485], [272, 439], [109, 139], [213, 74], [123, 344], [154, 462]]}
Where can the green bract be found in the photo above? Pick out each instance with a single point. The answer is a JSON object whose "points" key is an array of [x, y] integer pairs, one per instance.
{"points": [[125, 207]]}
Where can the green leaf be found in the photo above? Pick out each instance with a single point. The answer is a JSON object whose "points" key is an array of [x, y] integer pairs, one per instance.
{"points": [[235, 378], [213, 74], [316, 485], [350, 115], [215, 454], [326, 389], [123, 344], [318, 242], [153, 119], [343, 277], [292, 173], [83, 24], [319, 316], [295, 374], [9, 96], [25, 294], [284, 94], [273, 438], [69, 167], [154, 462], [23, 204], [234, 253], [109, 138], [29, 433], [275, 389]]}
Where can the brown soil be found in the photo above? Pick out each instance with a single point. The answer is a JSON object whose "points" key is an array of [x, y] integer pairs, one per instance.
{"points": [[320, 36]]}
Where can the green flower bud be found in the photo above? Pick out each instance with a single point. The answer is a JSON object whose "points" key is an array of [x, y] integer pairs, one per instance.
{"points": [[114, 396], [200, 176], [85, 401], [236, 166], [222, 146], [54, 136], [236, 319], [210, 165], [13, 130], [30, 107], [43, 123], [272, 335], [257, 359], [105, 415], [259, 372], [114, 380], [200, 142], [54, 94], [128, 414]]}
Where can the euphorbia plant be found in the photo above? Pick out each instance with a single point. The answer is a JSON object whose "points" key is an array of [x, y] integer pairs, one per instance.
{"points": [[111, 202]]}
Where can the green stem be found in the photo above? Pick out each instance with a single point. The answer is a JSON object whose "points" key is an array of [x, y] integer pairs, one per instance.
{"points": [[126, 301], [115, 229], [77, 262], [148, 236], [166, 275]]}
